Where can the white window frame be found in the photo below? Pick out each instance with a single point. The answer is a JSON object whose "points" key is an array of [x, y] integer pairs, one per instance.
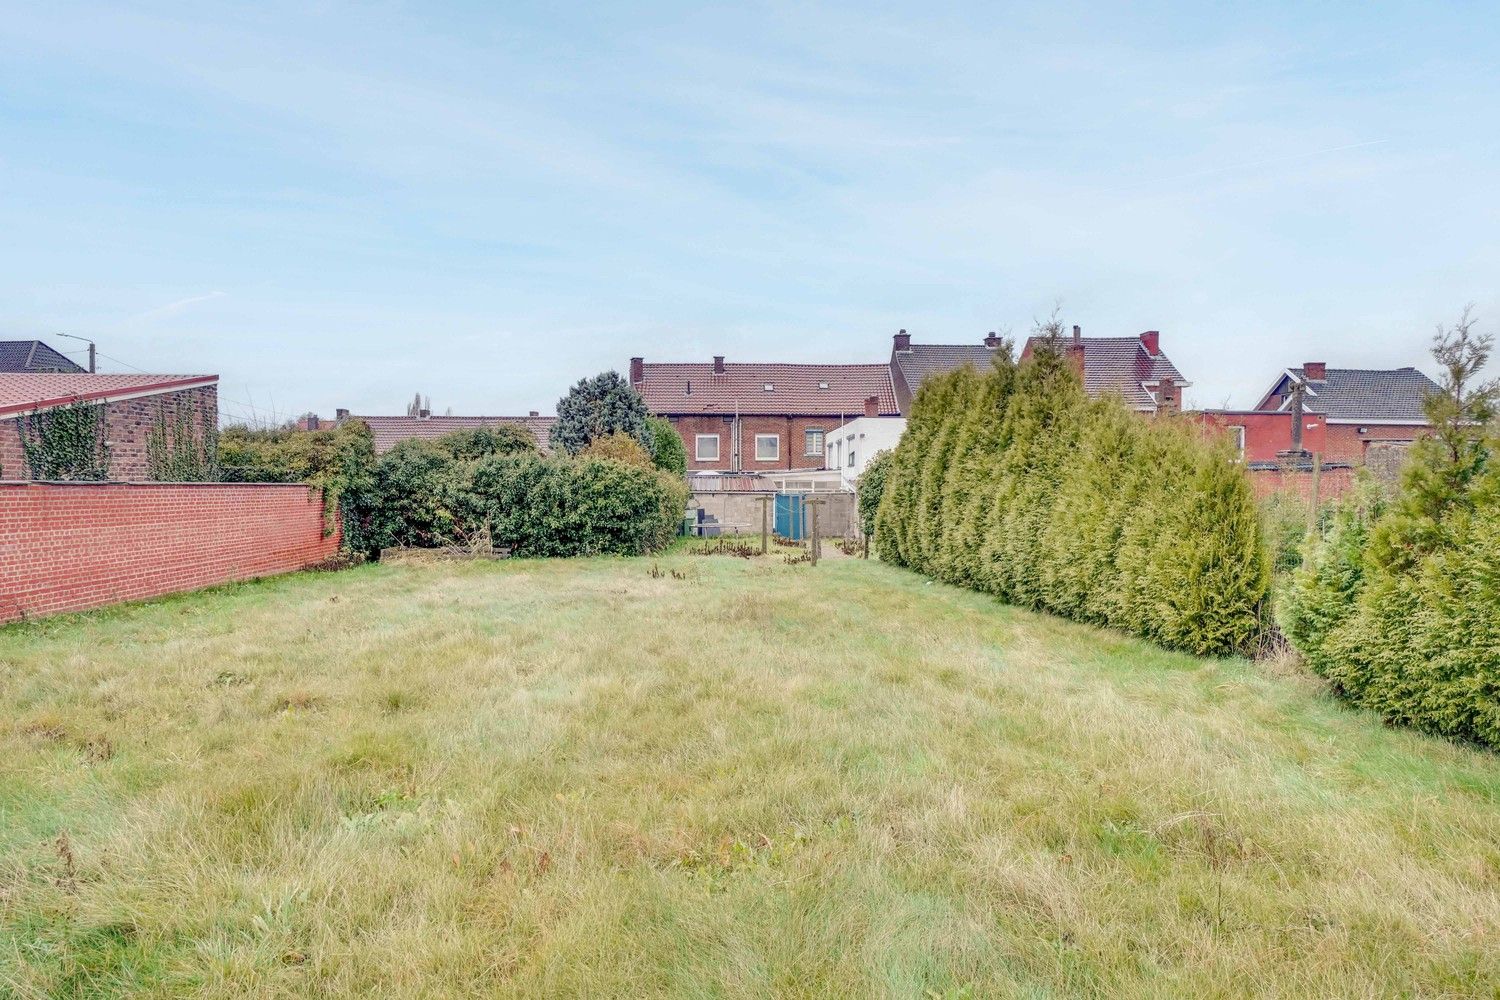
{"points": [[776, 438], [808, 449], [698, 448]]}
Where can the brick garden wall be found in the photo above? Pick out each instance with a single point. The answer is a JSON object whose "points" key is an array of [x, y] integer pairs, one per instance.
{"points": [[73, 546], [128, 423], [1332, 483]]}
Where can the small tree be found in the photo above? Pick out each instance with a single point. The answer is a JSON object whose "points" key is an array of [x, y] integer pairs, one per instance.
{"points": [[667, 449], [597, 407]]}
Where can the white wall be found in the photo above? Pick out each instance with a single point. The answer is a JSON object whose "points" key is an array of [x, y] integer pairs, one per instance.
{"points": [[866, 437]]}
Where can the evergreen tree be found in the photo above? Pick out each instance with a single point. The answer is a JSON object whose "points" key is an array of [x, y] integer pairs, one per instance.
{"points": [[597, 407]]}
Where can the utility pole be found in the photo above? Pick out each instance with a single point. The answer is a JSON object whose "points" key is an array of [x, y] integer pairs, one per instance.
{"points": [[86, 341]]}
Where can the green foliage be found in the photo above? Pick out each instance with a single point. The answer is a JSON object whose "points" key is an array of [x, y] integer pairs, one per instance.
{"points": [[67, 442], [620, 447], [1398, 605], [667, 450], [597, 407], [183, 446], [483, 442], [419, 496], [1013, 482], [340, 462], [871, 488]]}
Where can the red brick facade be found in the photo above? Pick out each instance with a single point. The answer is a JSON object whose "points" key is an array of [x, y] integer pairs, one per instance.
{"points": [[73, 546], [1267, 433], [128, 423], [790, 431], [1332, 483], [1350, 442]]}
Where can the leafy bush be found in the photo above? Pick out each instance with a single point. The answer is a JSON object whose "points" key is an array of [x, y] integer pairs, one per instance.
{"points": [[419, 496], [482, 442], [620, 447], [1013, 482], [340, 462], [597, 407], [870, 488], [667, 450], [1398, 604]]}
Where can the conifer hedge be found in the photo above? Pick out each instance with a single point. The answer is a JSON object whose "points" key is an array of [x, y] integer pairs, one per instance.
{"points": [[1012, 482]]}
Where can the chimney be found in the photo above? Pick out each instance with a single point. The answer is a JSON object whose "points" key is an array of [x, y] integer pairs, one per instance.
{"points": [[1077, 333], [341, 414], [533, 413], [1315, 371], [903, 342], [1151, 340], [637, 371], [423, 413], [311, 422], [718, 364], [1167, 398], [992, 340], [872, 406]]}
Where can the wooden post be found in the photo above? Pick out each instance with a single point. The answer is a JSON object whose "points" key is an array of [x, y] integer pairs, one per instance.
{"points": [[764, 523], [1312, 501], [813, 546], [866, 553]]}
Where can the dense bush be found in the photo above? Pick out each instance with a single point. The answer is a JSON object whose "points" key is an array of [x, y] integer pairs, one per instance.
{"points": [[1013, 482], [667, 450], [870, 489], [1398, 604], [620, 447], [340, 462], [597, 407], [482, 442]]}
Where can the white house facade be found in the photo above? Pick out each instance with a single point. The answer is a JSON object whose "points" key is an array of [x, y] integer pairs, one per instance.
{"points": [[849, 447]]}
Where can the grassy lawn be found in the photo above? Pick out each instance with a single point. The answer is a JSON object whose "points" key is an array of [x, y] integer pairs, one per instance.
{"points": [[573, 778]]}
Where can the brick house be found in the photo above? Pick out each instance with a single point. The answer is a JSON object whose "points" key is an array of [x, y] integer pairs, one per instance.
{"points": [[34, 356], [1353, 408], [737, 417], [1134, 368], [424, 426], [912, 364], [133, 404]]}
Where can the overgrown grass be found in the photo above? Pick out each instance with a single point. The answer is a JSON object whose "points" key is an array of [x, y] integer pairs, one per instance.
{"points": [[577, 778]]}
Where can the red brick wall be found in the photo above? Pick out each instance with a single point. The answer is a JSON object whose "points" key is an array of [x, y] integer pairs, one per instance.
{"points": [[791, 430], [128, 424], [1332, 483], [72, 546], [1347, 444]]}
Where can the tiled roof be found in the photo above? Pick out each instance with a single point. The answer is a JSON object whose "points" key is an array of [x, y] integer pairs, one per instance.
{"points": [[24, 391], [388, 430], [1123, 365], [1362, 394], [804, 390], [923, 361], [33, 356]]}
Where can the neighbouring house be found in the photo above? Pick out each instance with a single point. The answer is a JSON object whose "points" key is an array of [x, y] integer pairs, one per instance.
{"points": [[760, 418], [35, 356], [424, 426], [133, 405], [1134, 368], [913, 364], [1357, 408], [849, 447]]}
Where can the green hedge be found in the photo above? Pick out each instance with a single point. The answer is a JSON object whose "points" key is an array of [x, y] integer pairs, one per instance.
{"points": [[1011, 481]]}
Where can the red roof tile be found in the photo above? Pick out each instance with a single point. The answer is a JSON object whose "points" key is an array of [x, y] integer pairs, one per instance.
{"points": [[22, 392], [803, 390]]}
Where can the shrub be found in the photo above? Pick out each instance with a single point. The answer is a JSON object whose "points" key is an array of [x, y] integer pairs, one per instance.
{"points": [[587, 506], [340, 462], [482, 442], [597, 407], [1398, 605], [667, 449], [1013, 482], [419, 496], [620, 447], [870, 488]]}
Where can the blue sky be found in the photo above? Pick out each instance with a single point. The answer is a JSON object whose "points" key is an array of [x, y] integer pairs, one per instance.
{"points": [[337, 205]]}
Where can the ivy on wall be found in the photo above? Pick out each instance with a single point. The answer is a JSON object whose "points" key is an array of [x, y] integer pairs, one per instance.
{"points": [[66, 443], [182, 447]]}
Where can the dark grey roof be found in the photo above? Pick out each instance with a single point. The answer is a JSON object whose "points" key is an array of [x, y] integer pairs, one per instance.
{"points": [[926, 360], [1362, 394], [1124, 366], [34, 356]]}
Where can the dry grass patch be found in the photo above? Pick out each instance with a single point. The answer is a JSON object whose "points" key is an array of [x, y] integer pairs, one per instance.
{"points": [[583, 778]]}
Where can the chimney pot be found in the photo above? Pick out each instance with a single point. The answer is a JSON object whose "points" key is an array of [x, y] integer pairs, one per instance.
{"points": [[1077, 332], [637, 370], [718, 364], [872, 406], [992, 340], [533, 413], [903, 341], [423, 413], [1151, 340], [1317, 371], [341, 414]]}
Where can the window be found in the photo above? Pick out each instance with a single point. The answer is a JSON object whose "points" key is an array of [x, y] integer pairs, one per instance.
{"points": [[1237, 435], [814, 441], [767, 447], [851, 456], [708, 447]]}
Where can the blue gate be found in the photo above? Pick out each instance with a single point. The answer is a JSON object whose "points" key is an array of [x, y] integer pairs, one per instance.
{"points": [[791, 516]]}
